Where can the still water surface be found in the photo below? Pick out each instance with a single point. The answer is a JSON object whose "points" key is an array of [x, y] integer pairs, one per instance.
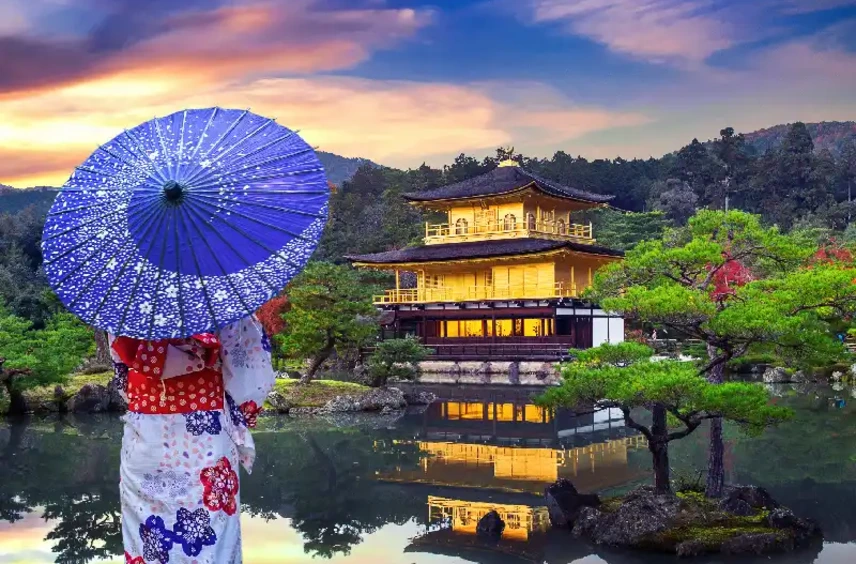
{"points": [[410, 489]]}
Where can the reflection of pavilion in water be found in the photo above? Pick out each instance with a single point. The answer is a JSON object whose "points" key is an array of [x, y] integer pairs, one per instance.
{"points": [[499, 455], [463, 516], [519, 448]]}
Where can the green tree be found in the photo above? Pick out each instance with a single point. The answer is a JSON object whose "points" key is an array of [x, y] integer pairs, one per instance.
{"points": [[30, 357], [675, 199], [695, 165], [624, 376], [733, 284], [331, 310], [623, 230], [396, 359], [733, 152]]}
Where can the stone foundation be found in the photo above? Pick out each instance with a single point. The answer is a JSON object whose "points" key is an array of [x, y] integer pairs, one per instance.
{"points": [[489, 372]]}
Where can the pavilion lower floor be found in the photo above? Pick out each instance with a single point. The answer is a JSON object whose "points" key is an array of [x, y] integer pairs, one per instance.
{"points": [[515, 332]]}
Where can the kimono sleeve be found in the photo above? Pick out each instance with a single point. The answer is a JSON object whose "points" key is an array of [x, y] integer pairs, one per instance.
{"points": [[247, 371]]}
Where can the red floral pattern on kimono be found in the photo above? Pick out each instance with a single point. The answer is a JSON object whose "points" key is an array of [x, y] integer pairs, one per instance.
{"points": [[137, 560], [221, 487], [251, 413]]}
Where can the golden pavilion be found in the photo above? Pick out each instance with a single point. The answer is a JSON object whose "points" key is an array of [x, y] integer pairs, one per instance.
{"points": [[501, 278]]}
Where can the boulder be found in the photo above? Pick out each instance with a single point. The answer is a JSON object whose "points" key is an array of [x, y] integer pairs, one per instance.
{"points": [[92, 398], [737, 507], [417, 397], [279, 403], [564, 503], [490, 526], [777, 375], [803, 529], [737, 498], [642, 515]]}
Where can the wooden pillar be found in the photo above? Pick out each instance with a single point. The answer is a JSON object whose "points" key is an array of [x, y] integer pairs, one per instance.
{"points": [[589, 277], [573, 281], [397, 280]]}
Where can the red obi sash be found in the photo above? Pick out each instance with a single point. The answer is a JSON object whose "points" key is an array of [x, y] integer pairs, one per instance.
{"points": [[200, 389]]}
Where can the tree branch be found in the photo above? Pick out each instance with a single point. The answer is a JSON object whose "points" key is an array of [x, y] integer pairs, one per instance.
{"points": [[630, 422], [692, 425]]}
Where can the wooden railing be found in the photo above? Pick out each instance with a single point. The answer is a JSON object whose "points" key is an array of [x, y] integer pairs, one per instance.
{"points": [[445, 232], [441, 294]]}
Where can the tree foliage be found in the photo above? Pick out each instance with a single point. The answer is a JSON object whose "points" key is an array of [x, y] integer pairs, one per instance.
{"points": [[37, 357], [271, 315], [396, 359], [625, 377], [732, 283], [330, 310]]}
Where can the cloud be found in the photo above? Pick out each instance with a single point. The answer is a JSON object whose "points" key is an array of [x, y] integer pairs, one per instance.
{"points": [[808, 6], [684, 33], [398, 123], [678, 31], [233, 40]]}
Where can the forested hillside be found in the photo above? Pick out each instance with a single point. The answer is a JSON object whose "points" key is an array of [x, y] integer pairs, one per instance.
{"points": [[830, 136], [792, 185]]}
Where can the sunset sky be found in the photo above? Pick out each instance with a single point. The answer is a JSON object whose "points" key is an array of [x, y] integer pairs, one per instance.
{"points": [[405, 81]]}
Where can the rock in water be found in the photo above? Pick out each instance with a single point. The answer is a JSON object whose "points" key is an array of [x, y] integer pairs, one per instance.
{"points": [[746, 521], [564, 503], [642, 514], [490, 526], [92, 398], [803, 529]]}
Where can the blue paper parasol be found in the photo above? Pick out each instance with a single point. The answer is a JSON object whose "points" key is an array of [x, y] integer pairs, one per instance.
{"points": [[185, 223]]}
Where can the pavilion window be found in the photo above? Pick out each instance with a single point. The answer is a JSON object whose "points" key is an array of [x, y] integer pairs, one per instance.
{"points": [[509, 222], [530, 221], [561, 227], [461, 226]]}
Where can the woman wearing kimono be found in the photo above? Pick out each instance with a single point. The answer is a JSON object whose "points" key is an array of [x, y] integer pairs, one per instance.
{"points": [[191, 403]]}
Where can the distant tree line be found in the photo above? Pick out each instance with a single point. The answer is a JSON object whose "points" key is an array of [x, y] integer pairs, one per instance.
{"points": [[791, 185]]}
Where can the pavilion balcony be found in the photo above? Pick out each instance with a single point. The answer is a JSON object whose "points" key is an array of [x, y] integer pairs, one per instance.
{"points": [[440, 294], [437, 233]]}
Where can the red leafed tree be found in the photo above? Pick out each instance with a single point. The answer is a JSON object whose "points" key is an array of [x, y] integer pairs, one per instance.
{"points": [[270, 315], [730, 276], [831, 253]]}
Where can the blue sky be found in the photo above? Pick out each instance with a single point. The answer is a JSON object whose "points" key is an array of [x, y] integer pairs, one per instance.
{"points": [[402, 81]]}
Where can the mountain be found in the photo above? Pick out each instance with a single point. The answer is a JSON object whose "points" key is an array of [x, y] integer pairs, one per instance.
{"points": [[830, 135], [13, 200], [340, 169]]}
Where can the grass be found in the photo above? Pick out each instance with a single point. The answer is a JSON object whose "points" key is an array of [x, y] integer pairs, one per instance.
{"points": [[317, 393]]}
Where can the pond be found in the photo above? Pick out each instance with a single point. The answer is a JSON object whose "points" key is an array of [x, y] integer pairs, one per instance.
{"points": [[410, 488]]}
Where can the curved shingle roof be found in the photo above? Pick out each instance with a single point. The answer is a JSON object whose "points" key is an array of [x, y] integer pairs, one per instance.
{"points": [[479, 249], [502, 180]]}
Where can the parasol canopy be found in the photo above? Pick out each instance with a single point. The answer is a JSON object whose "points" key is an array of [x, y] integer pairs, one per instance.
{"points": [[185, 224]]}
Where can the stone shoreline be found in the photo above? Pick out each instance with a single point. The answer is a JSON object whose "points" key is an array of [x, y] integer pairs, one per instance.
{"points": [[96, 397]]}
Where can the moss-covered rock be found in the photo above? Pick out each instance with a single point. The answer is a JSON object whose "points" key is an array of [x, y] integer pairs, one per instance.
{"points": [[688, 524]]}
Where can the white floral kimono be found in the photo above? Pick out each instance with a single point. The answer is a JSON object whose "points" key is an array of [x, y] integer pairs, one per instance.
{"points": [[179, 473]]}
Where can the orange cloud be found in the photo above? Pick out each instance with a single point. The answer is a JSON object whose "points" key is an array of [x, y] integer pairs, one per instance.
{"points": [[397, 123]]}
